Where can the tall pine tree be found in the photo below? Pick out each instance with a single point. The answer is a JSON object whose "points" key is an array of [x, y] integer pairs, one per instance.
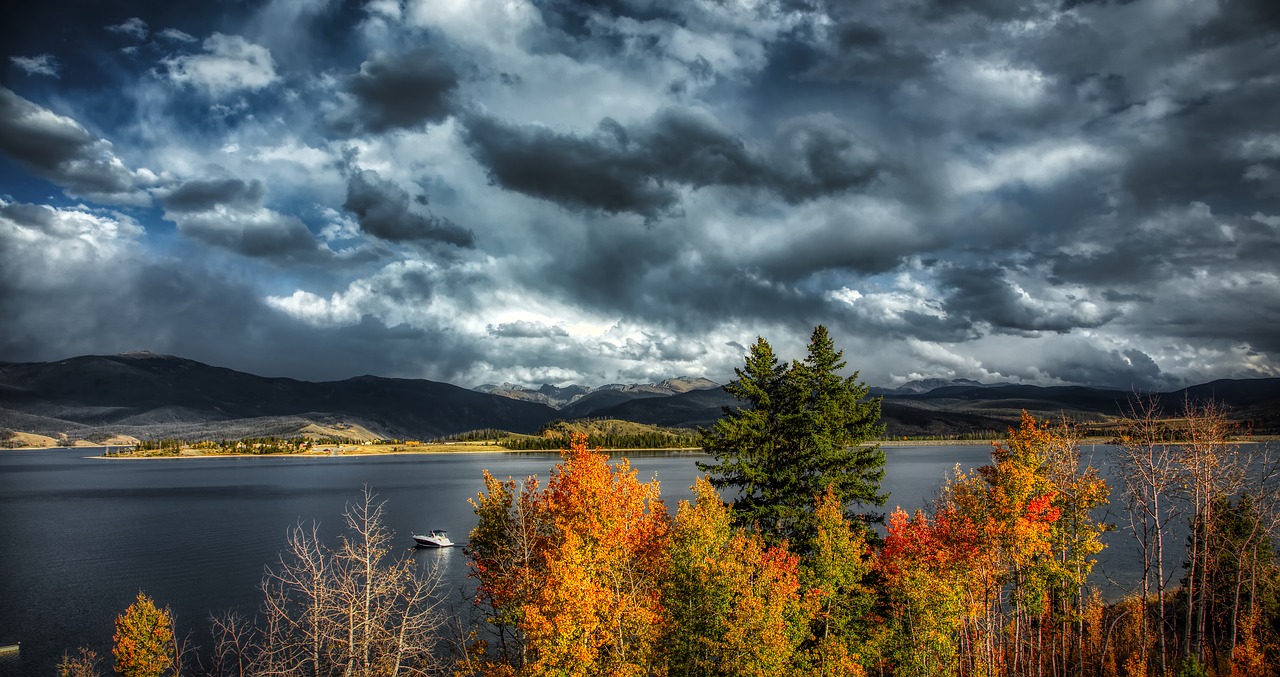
{"points": [[801, 429]]}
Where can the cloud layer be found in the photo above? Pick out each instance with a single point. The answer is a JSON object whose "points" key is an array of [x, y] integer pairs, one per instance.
{"points": [[516, 191]]}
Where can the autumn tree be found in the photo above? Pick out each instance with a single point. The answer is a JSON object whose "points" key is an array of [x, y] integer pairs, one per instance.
{"points": [[83, 664], [506, 549], [732, 604], [835, 574], [584, 598], [1075, 539], [994, 581], [932, 574], [801, 429], [143, 640]]}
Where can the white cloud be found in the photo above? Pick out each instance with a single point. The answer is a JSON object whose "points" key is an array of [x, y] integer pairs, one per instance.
{"points": [[230, 64], [1260, 147], [291, 150], [941, 362], [335, 311], [399, 293], [497, 25], [1039, 165], [56, 237], [890, 307], [176, 35], [134, 27], [727, 53], [1273, 221], [40, 64], [994, 82]]}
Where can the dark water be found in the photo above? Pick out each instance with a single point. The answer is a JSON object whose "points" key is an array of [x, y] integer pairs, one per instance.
{"points": [[79, 537]]}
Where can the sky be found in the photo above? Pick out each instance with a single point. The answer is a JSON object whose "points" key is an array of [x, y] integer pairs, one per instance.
{"points": [[488, 191]]}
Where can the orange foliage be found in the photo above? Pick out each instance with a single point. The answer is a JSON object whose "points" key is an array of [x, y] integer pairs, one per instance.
{"points": [[584, 594], [143, 640]]}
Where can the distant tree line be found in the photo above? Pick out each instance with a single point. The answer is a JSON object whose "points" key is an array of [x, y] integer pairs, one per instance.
{"points": [[248, 445], [640, 440], [478, 435]]}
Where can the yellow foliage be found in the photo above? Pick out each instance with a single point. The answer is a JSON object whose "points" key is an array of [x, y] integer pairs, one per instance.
{"points": [[143, 640]]}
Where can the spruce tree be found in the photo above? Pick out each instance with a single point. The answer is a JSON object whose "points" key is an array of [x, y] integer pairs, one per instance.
{"points": [[800, 429]]}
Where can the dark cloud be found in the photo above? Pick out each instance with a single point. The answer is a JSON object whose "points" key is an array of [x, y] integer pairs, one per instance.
{"points": [[34, 216], [230, 213], [618, 170], [594, 172], [384, 210], [261, 233], [1130, 370], [200, 195], [1202, 155], [819, 155], [1239, 21], [59, 149], [203, 313], [857, 50], [577, 19], [649, 274], [399, 91], [985, 295]]}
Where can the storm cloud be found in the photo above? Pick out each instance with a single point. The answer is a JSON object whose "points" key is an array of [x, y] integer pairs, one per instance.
{"points": [[639, 170], [520, 192], [398, 91], [229, 213], [59, 149], [385, 210]]}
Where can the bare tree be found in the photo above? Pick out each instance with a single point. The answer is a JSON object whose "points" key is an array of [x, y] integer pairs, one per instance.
{"points": [[354, 610], [1211, 472], [1149, 470], [235, 642]]}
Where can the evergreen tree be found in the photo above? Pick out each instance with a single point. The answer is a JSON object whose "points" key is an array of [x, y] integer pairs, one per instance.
{"points": [[801, 428]]}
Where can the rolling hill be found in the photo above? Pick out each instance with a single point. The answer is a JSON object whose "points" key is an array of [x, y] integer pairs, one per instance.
{"points": [[150, 396]]}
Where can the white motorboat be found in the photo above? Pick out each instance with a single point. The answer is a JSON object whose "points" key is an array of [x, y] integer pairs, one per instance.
{"points": [[437, 538]]}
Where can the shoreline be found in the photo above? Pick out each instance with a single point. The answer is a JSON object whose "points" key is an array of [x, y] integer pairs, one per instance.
{"points": [[348, 452], [439, 449]]}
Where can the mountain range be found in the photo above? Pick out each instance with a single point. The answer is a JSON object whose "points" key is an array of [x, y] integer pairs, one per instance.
{"points": [[150, 396]]}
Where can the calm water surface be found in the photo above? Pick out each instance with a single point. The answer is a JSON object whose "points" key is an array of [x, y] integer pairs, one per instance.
{"points": [[79, 537]]}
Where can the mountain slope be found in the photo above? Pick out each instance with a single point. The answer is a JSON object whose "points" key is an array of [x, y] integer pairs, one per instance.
{"points": [[150, 396], [982, 409], [142, 389]]}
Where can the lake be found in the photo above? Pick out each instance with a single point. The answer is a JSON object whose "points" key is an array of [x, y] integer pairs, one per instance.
{"points": [[79, 537]]}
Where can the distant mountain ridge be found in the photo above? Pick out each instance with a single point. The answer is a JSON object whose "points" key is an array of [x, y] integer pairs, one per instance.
{"points": [[566, 397], [921, 386], [149, 396]]}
